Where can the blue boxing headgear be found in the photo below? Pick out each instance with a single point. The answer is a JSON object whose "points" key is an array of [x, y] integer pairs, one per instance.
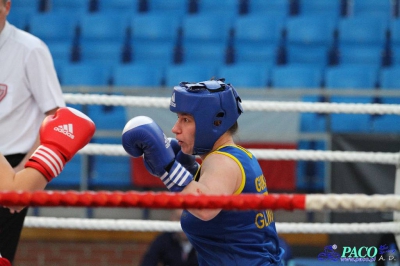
{"points": [[214, 105]]}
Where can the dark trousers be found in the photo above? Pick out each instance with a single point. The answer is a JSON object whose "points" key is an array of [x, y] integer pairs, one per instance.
{"points": [[11, 224]]}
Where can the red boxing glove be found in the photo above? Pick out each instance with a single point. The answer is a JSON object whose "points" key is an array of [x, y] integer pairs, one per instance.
{"points": [[4, 262], [61, 136]]}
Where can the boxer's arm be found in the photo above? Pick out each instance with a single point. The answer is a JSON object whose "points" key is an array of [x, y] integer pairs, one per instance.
{"points": [[28, 179]]}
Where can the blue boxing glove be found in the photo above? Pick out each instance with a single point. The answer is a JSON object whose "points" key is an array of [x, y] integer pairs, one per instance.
{"points": [[142, 136]]}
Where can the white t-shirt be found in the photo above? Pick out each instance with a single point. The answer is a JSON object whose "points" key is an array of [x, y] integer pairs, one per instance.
{"points": [[29, 87]]}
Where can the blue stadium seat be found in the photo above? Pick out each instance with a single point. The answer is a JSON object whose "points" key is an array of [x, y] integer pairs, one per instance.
{"points": [[192, 72], [70, 177], [351, 123], [171, 7], [365, 55], [108, 117], [395, 41], [245, 75], [131, 6], [387, 123], [327, 8], [32, 4], [157, 53], [139, 75], [309, 39], [296, 77], [394, 28], [150, 28], [61, 53], [396, 55], [99, 26], [204, 53], [53, 27], [389, 78], [19, 17], [78, 6], [362, 30], [226, 7], [82, 74], [108, 53], [378, 8], [258, 38], [313, 122], [310, 175], [268, 7], [206, 29], [351, 77], [110, 172]]}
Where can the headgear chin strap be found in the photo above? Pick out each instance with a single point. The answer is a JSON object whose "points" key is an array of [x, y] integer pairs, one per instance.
{"points": [[214, 105]]}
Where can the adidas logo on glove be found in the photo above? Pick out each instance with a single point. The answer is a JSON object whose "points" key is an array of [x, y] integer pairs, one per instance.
{"points": [[66, 129]]}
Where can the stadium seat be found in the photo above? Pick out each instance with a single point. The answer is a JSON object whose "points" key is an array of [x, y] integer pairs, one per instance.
{"points": [[394, 43], [226, 7], [19, 17], [309, 39], [61, 53], [53, 27], [110, 172], [138, 75], [205, 28], [131, 6], [70, 177], [258, 38], [310, 175], [150, 28], [296, 77], [108, 117], [268, 7], [395, 55], [78, 6], [313, 122], [190, 72], [387, 123], [378, 8], [364, 55], [170, 7], [99, 26], [362, 30], [351, 77], [245, 75], [327, 8], [215, 54], [158, 53], [104, 53], [82, 74], [389, 78], [351, 123]]}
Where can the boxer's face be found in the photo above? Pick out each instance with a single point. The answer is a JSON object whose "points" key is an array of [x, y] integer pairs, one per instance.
{"points": [[4, 10], [184, 130]]}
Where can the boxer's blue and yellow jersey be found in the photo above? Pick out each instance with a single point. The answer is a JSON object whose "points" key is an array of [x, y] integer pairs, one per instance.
{"points": [[237, 238]]}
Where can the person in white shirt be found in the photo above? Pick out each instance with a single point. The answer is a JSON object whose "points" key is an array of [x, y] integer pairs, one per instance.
{"points": [[29, 90]]}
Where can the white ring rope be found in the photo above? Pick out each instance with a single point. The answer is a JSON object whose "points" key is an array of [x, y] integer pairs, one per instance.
{"points": [[272, 106], [352, 202], [170, 226], [272, 154]]}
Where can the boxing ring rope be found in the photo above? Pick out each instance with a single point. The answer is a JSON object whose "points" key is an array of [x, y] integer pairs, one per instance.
{"points": [[169, 226], [314, 202]]}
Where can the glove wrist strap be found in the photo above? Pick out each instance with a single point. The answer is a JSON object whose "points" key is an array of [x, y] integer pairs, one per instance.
{"points": [[177, 178]]}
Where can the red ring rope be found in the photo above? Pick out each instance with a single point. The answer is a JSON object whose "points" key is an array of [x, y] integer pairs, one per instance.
{"points": [[152, 200]]}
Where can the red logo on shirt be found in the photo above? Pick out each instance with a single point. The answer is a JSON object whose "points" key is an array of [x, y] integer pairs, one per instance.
{"points": [[3, 91]]}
